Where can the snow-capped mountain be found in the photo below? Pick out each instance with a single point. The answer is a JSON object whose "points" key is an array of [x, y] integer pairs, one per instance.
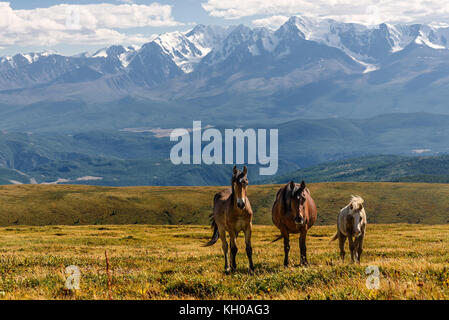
{"points": [[304, 61], [173, 51], [19, 60], [212, 45], [186, 49], [28, 70], [35, 69], [117, 53], [370, 44]]}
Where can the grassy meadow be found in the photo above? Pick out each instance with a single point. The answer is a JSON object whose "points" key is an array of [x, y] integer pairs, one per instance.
{"points": [[168, 262], [42, 205], [154, 236]]}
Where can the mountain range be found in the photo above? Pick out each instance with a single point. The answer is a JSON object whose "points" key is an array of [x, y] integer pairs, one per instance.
{"points": [[334, 90], [307, 68], [126, 158]]}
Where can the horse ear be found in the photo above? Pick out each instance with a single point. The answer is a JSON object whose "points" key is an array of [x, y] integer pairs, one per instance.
{"points": [[235, 169], [292, 185], [245, 170], [303, 185]]}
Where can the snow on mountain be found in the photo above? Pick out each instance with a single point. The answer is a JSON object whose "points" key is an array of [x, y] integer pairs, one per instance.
{"points": [[125, 57], [116, 52], [401, 36], [28, 70], [369, 44], [240, 35], [123, 54], [100, 54], [7, 60], [28, 58], [354, 39], [35, 56], [172, 54], [183, 52], [188, 48], [435, 38], [207, 37], [150, 66]]}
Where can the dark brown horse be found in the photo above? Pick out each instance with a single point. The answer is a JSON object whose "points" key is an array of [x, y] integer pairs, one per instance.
{"points": [[294, 211], [233, 213]]}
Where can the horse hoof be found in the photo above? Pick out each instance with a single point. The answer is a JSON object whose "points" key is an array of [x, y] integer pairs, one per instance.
{"points": [[227, 271]]}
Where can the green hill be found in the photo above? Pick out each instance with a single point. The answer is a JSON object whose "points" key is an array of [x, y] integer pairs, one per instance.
{"points": [[376, 168], [112, 158], [73, 205], [122, 158]]}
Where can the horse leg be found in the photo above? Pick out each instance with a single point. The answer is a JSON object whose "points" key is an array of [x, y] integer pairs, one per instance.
{"points": [[356, 249], [234, 250], [286, 248], [351, 247], [249, 249], [360, 247], [303, 248], [341, 242], [224, 245]]}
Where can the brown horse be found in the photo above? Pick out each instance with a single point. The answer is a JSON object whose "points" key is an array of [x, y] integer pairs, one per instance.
{"points": [[294, 211], [233, 213]]}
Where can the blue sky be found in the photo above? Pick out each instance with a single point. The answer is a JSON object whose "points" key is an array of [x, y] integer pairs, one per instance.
{"points": [[28, 26], [183, 10], [186, 12]]}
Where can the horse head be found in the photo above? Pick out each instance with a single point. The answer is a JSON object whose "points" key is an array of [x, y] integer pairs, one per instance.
{"points": [[296, 200], [240, 186], [356, 217]]}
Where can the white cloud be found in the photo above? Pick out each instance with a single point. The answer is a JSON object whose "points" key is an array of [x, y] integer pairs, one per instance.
{"points": [[80, 24], [362, 11], [272, 22]]}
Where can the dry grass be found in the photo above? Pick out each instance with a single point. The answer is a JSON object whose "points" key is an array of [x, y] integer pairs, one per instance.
{"points": [[83, 205], [168, 262]]}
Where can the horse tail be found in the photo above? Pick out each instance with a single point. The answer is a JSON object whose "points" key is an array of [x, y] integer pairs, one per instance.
{"points": [[215, 235], [279, 237], [335, 237]]}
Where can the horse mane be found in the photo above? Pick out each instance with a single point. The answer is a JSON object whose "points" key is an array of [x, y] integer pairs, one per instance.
{"points": [[235, 177], [356, 203], [232, 188], [287, 194]]}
